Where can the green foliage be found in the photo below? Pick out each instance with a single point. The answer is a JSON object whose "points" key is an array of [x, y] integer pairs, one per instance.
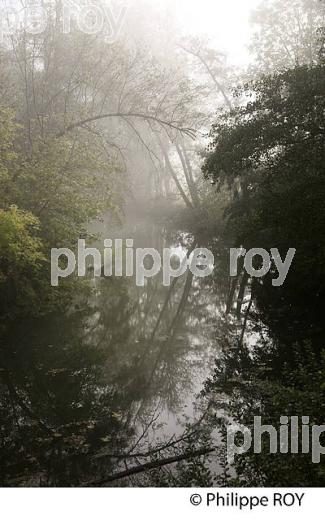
{"points": [[50, 191], [271, 153], [283, 115], [7, 132], [66, 184], [17, 244], [21, 262]]}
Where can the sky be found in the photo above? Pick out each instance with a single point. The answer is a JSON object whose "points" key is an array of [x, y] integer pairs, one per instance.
{"points": [[226, 22]]}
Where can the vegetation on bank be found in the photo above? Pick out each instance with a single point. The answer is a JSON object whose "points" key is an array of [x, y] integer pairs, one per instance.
{"points": [[80, 135], [273, 150]]}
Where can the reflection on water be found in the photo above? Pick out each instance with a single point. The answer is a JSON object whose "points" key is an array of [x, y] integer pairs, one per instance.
{"points": [[119, 370]]}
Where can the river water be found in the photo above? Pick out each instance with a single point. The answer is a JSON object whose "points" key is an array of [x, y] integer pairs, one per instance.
{"points": [[171, 331], [119, 371]]}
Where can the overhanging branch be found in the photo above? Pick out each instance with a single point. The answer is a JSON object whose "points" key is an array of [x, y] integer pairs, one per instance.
{"points": [[190, 132]]}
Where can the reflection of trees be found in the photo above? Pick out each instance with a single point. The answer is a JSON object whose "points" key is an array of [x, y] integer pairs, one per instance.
{"points": [[149, 346], [82, 388], [253, 381], [272, 366], [57, 408]]}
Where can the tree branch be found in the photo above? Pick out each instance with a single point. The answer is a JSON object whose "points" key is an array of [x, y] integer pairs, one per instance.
{"points": [[149, 466], [170, 124], [210, 72]]}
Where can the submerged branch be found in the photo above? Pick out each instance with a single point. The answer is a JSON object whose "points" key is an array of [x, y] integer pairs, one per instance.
{"points": [[149, 466]]}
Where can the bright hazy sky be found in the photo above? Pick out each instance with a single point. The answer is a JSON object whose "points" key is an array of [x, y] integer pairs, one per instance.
{"points": [[226, 22]]}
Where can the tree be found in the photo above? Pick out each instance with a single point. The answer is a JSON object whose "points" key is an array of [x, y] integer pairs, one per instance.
{"points": [[21, 262], [286, 34], [270, 151], [273, 148]]}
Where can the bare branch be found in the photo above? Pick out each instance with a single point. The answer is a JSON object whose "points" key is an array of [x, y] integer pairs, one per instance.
{"points": [[190, 132], [149, 466], [210, 72]]}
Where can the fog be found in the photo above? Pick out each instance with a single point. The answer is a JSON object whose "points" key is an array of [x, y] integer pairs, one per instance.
{"points": [[158, 137], [227, 24]]}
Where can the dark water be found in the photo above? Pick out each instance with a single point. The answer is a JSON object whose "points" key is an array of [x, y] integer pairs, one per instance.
{"points": [[118, 372]]}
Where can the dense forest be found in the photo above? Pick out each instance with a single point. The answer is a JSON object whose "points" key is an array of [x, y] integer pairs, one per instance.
{"points": [[157, 136]]}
